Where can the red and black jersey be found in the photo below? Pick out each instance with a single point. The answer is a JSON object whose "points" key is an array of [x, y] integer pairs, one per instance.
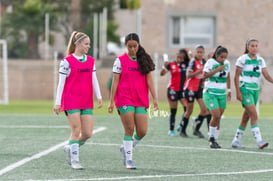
{"points": [[178, 75], [196, 82]]}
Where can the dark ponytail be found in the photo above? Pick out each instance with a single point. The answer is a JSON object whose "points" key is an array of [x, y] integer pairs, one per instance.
{"points": [[219, 50], [144, 60]]}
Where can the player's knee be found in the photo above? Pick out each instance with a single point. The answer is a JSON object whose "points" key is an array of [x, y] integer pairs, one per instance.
{"points": [[86, 136]]}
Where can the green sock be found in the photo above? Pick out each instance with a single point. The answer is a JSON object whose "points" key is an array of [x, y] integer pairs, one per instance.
{"points": [[81, 143], [74, 142]]}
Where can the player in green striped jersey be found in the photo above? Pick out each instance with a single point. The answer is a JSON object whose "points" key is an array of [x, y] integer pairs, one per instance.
{"points": [[217, 75], [249, 69]]}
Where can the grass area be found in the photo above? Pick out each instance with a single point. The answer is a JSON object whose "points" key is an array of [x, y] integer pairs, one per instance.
{"points": [[158, 157], [46, 107]]}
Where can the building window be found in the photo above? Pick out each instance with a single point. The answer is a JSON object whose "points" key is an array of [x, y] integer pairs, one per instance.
{"points": [[191, 30]]}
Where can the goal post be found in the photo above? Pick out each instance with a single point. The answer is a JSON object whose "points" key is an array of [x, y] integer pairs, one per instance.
{"points": [[4, 92]]}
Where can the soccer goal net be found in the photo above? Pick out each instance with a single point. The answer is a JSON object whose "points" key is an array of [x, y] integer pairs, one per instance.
{"points": [[4, 96]]}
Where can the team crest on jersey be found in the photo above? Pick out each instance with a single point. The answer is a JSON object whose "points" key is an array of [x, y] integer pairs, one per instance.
{"points": [[124, 107], [211, 104], [247, 100]]}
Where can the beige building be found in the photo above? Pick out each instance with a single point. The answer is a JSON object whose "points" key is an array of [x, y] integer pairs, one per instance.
{"points": [[168, 25]]}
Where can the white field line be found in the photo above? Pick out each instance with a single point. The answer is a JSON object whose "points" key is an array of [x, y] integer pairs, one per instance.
{"points": [[189, 148], [33, 126], [174, 175], [39, 155], [164, 176]]}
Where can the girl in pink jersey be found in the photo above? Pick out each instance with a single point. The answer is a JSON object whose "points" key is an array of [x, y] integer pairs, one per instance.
{"points": [[77, 79], [132, 80]]}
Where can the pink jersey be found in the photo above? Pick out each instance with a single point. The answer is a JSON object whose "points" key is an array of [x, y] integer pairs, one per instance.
{"points": [[132, 88], [78, 89]]}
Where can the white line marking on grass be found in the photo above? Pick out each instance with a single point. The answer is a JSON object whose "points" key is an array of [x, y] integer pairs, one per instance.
{"points": [[39, 155], [164, 176], [189, 148], [33, 126]]}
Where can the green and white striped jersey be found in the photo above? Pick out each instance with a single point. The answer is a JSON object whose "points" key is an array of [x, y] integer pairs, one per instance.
{"points": [[251, 71], [217, 83]]}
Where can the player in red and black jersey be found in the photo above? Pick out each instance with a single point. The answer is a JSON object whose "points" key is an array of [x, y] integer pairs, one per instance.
{"points": [[193, 89], [175, 91]]}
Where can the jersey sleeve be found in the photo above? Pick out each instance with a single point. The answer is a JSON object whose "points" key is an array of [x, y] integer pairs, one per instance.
{"points": [[168, 66], [117, 66], [208, 66], [240, 62], [228, 65], [263, 63], [94, 68], [191, 65], [64, 67]]}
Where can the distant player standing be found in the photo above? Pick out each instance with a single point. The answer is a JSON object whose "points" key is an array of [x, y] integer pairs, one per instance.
{"points": [[249, 69], [216, 90], [77, 79], [194, 90], [132, 80], [175, 91]]}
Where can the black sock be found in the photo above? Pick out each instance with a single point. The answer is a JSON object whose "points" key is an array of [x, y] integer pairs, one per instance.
{"points": [[199, 122], [172, 119], [208, 120], [182, 116], [184, 124]]}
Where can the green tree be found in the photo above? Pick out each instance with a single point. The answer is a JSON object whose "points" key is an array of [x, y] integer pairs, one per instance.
{"points": [[129, 4], [24, 25]]}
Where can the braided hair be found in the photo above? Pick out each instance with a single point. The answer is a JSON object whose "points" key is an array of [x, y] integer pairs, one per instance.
{"points": [[144, 60]]}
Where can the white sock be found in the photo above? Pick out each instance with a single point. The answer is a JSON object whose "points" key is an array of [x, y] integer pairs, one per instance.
{"points": [[217, 134], [135, 142], [128, 148], [212, 132], [257, 134], [74, 152], [238, 135]]}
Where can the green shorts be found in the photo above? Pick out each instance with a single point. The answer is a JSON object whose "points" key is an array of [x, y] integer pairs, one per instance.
{"points": [[249, 96], [213, 101], [137, 110], [82, 111]]}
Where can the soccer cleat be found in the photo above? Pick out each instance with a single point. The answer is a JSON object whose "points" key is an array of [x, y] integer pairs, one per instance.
{"points": [[179, 128], [171, 133], [76, 165], [262, 144], [130, 164], [183, 134], [121, 149], [67, 151], [198, 133], [236, 144], [213, 143]]}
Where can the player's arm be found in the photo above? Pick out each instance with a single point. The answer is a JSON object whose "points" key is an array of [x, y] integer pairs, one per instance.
{"points": [[208, 74], [228, 88], [165, 68], [115, 81], [150, 83], [64, 71], [190, 71], [236, 82], [96, 87], [266, 75]]}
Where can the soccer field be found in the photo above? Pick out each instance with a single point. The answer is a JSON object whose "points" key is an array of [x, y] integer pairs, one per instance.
{"points": [[32, 149]]}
